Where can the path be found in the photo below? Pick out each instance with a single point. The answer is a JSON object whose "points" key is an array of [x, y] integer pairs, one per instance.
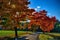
{"points": [[32, 36]]}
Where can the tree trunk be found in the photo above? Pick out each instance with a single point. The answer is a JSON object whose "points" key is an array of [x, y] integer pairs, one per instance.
{"points": [[16, 35]]}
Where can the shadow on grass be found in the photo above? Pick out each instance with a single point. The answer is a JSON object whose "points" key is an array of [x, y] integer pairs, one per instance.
{"points": [[8, 38]]}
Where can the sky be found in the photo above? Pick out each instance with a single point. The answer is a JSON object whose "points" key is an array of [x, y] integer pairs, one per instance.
{"points": [[51, 6]]}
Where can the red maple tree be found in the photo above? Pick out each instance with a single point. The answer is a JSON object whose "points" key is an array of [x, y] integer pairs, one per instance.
{"points": [[40, 18]]}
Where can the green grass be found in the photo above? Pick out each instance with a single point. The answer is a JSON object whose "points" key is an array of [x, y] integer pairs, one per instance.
{"points": [[56, 34], [47, 37], [44, 37], [4, 33]]}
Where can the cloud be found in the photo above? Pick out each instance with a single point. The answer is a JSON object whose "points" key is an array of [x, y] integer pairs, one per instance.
{"points": [[49, 14], [38, 7]]}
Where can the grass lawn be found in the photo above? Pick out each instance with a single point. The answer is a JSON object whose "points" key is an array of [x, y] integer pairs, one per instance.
{"points": [[56, 34], [47, 37], [5, 33]]}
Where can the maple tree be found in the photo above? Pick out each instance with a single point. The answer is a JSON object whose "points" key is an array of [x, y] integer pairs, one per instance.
{"points": [[41, 19], [15, 11]]}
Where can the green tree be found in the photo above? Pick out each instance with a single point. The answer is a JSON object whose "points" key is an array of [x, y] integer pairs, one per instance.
{"points": [[57, 26]]}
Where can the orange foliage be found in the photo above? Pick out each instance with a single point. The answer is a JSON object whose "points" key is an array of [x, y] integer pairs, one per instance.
{"points": [[40, 18]]}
